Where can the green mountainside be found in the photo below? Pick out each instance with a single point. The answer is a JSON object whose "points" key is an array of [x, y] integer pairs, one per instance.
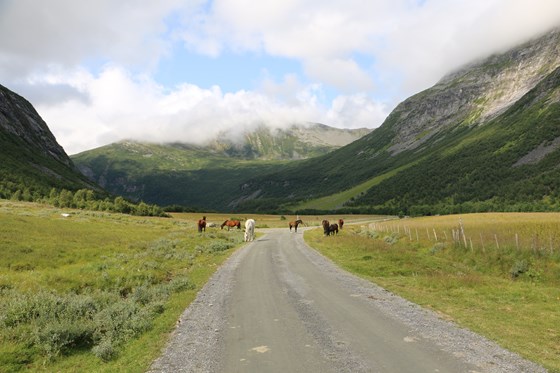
{"points": [[295, 142], [30, 159], [484, 138], [171, 174], [205, 176]]}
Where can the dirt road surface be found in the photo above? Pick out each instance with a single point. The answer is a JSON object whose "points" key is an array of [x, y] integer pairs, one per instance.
{"points": [[278, 306]]}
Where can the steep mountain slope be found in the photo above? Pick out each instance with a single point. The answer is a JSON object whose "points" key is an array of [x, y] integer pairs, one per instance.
{"points": [[484, 137], [30, 157], [205, 176]]}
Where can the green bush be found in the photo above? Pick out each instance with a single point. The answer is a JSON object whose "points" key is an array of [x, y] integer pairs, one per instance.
{"points": [[218, 246], [391, 239], [103, 320], [440, 246], [105, 350], [520, 267]]}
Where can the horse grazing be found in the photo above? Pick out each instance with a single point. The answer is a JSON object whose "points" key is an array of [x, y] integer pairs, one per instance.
{"points": [[325, 224], [333, 229], [231, 224], [202, 224], [295, 224], [249, 230], [340, 223]]}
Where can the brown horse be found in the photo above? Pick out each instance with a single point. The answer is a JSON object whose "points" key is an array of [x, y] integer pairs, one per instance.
{"points": [[295, 224], [231, 224], [333, 229], [202, 224], [340, 223], [325, 224]]}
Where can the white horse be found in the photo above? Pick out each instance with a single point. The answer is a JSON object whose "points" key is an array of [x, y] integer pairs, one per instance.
{"points": [[249, 230]]}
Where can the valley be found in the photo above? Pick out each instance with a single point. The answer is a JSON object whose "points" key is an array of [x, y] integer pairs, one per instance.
{"points": [[71, 271], [451, 235]]}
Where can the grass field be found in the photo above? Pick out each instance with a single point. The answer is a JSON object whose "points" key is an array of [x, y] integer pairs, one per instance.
{"points": [[100, 292], [96, 291], [496, 274]]}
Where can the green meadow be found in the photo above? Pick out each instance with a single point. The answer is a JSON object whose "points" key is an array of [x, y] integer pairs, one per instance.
{"points": [[496, 274], [100, 292], [95, 291]]}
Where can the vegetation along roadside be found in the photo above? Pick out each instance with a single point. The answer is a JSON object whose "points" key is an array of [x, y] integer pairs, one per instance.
{"points": [[497, 274], [93, 291]]}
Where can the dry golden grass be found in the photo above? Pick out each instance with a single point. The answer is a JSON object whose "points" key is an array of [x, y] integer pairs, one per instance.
{"points": [[504, 283]]}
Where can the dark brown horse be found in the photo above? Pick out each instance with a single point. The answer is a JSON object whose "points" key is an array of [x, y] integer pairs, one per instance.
{"points": [[231, 224], [340, 223], [325, 224], [202, 224], [333, 229], [294, 224]]}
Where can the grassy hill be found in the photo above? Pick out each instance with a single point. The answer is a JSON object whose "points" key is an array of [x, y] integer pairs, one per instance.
{"points": [[473, 142], [484, 138], [173, 174], [210, 176]]}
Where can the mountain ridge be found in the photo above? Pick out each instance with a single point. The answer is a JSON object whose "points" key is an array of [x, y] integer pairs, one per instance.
{"points": [[31, 158], [427, 129], [187, 174], [484, 138]]}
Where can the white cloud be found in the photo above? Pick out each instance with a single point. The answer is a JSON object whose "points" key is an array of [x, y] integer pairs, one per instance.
{"points": [[122, 106], [443, 35], [354, 48], [37, 33], [356, 111], [419, 40]]}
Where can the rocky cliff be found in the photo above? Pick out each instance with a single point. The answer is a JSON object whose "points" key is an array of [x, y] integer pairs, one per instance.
{"points": [[476, 93], [484, 138], [31, 159], [19, 118]]}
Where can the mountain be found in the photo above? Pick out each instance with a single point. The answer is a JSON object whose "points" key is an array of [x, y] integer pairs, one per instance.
{"points": [[295, 142], [31, 158], [486, 137], [205, 176]]}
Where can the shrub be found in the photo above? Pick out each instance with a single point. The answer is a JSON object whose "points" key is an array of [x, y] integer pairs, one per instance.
{"points": [[55, 336], [392, 239], [181, 283], [520, 267], [440, 246], [104, 350], [218, 246]]}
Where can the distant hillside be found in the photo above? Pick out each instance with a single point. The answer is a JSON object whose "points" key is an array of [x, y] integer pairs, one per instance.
{"points": [[31, 159], [205, 176], [296, 142], [486, 137]]}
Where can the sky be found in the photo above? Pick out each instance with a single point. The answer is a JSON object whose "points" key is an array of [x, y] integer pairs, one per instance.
{"points": [[184, 70]]}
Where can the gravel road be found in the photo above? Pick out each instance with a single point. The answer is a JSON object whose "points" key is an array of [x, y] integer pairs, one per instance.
{"points": [[277, 305]]}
